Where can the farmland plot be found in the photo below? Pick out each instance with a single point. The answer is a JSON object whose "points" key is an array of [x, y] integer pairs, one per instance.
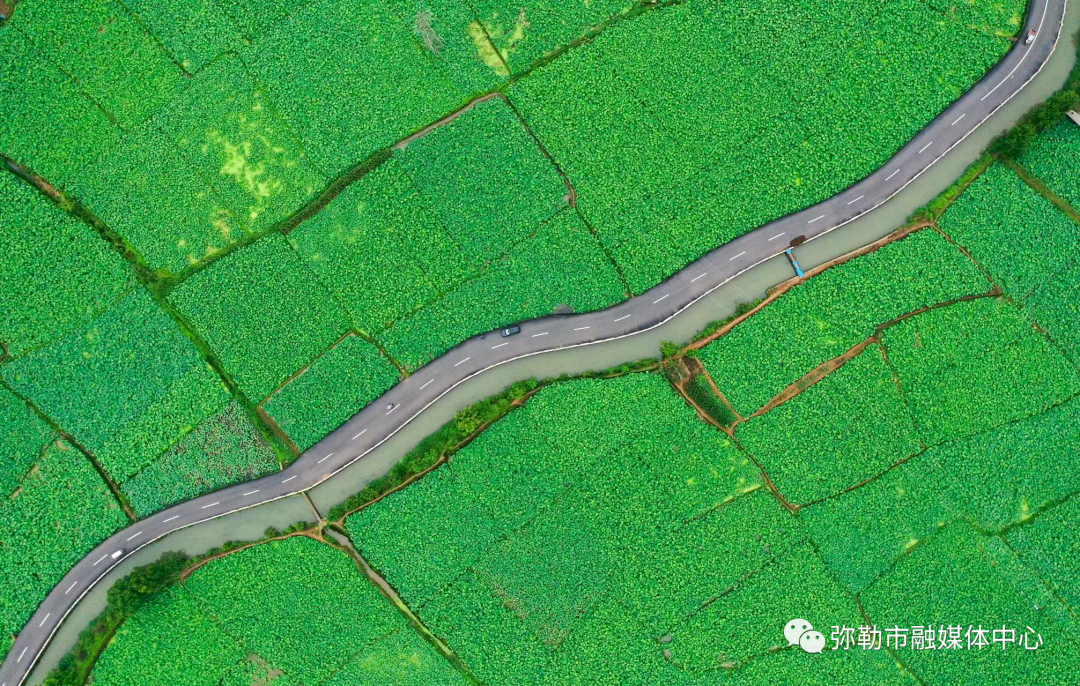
{"points": [[974, 366], [262, 312], [1051, 546], [350, 79], [20, 443], [974, 580], [57, 273], [44, 110], [834, 311], [115, 60], [487, 178], [822, 57], [848, 427], [381, 249], [60, 511], [336, 386], [1052, 158], [1012, 230], [225, 448], [125, 387]]}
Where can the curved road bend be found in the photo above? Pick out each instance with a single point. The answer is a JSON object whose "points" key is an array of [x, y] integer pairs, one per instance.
{"points": [[375, 424]]}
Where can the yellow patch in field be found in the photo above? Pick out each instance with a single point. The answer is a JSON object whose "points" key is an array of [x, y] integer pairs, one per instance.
{"points": [[486, 50], [494, 42]]}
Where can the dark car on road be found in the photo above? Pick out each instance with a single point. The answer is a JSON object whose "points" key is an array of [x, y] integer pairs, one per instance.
{"points": [[510, 330]]}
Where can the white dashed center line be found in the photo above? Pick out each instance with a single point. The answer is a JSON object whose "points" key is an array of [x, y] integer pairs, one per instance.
{"points": [[923, 148], [329, 455], [102, 558], [622, 318], [21, 655], [955, 121], [660, 298], [852, 202], [251, 493], [500, 345], [289, 479], [427, 384], [204, 507], [397, 406], [362, 432], [581, 328], [739, 255], [134, 535], [459, 363], [702, 276], [44, 619], [892, 175], [778, 235], [815, 219], [71, 587], [166, 521], [537, 335]]}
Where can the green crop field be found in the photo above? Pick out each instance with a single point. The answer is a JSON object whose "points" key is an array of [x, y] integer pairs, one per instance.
{"points": [[223, 449], [1052, 158], [831, 313], [235, 626], [662, 197], [847, 428], [987, 586], [1012, 230], [975, 366], [57, 274], [265, 289], [158, 384], [56, 513], [336, 386]]}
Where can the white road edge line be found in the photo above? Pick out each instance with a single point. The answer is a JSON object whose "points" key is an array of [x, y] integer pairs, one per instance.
{"points": [[923, 148], [700, 276], [251, 493], [660, 298], [210, 505], [892, 175], [622, 318], [815, 219], [431, 381], [71, 587], [289, 479], [732, 259], [166, 521], [852, 202], [581, 328], [782, 233], [456, 364], [135, 535], [957, 120], [44, 619], [537, 335]]}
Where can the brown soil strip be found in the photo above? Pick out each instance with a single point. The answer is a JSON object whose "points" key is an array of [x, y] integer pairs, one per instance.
{"points": [[401, 145], [314, 534], [692, 368]]}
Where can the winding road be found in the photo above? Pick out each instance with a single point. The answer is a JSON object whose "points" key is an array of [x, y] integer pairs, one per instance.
{"points": [[375, 424]]}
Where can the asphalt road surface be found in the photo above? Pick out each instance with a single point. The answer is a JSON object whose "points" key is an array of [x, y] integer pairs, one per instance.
{"points": [[376, 423]]}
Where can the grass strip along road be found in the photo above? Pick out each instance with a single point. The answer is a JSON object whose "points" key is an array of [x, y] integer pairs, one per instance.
{"points": [[387, 415]]}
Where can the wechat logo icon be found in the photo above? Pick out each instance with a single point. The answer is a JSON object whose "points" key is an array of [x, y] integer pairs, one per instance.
{"points": [[801, 632]]}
